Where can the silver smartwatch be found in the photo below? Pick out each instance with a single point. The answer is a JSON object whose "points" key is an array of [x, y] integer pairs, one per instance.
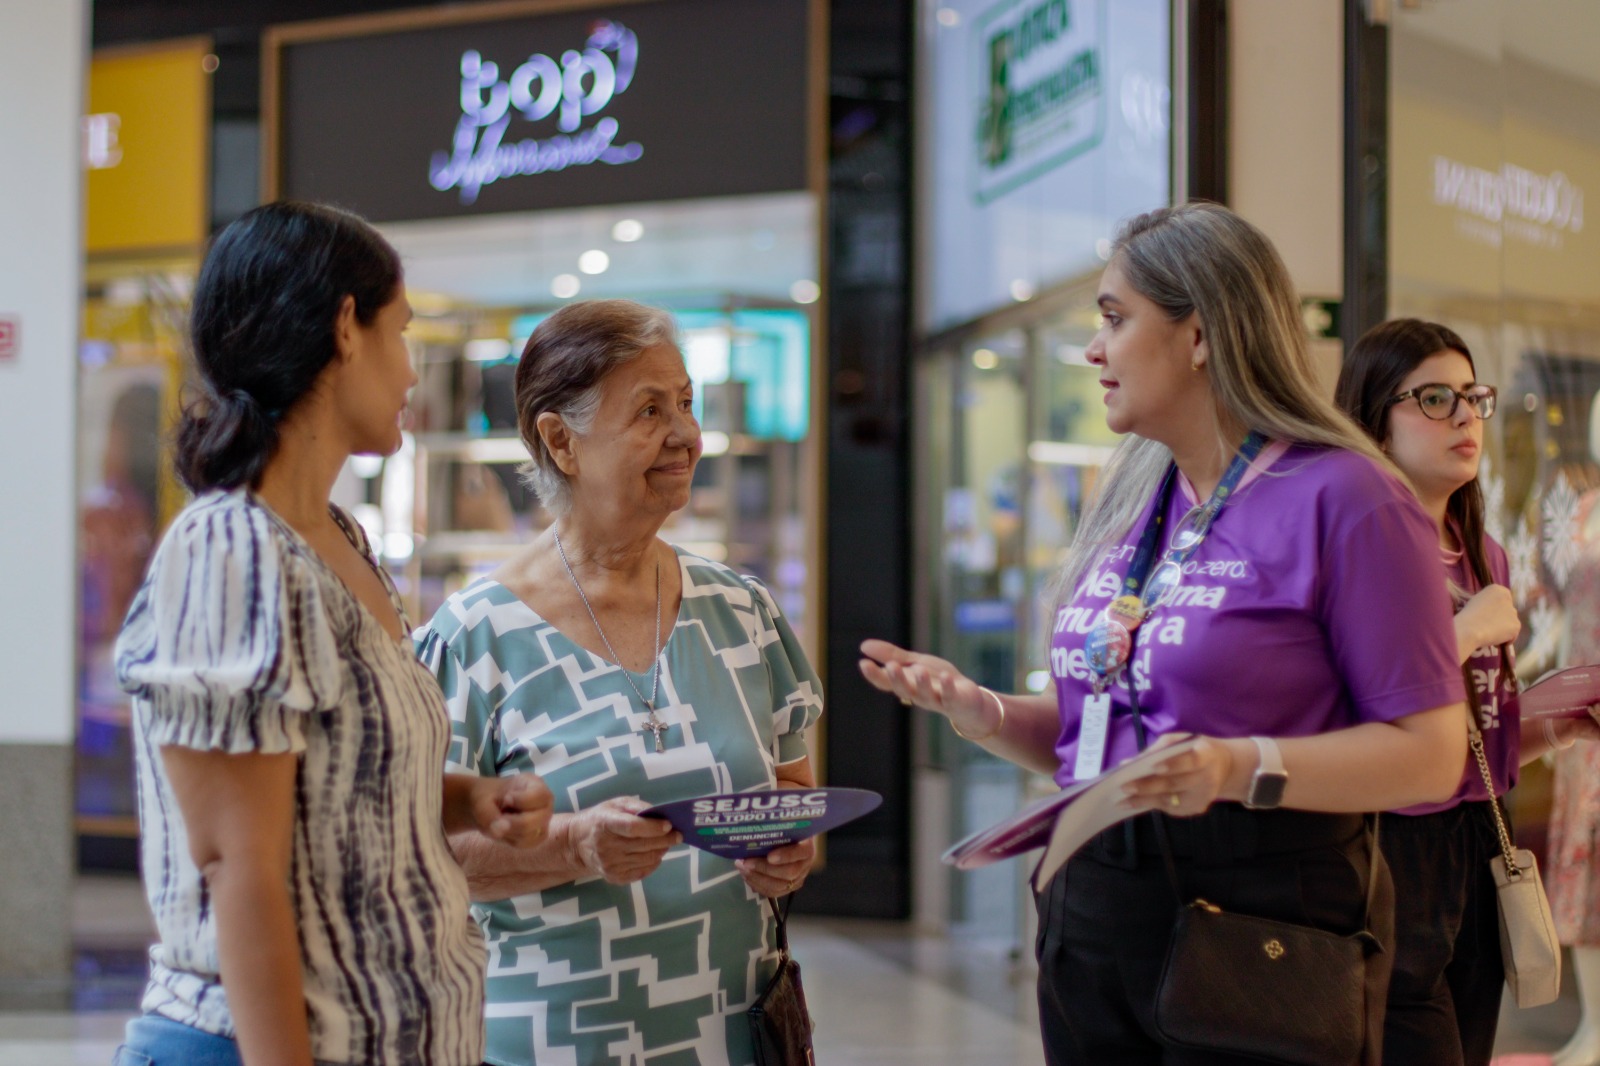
{"points": [[1270, 778]]}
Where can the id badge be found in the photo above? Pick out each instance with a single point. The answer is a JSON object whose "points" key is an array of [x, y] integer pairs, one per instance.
{"points": [[1092, 732]]}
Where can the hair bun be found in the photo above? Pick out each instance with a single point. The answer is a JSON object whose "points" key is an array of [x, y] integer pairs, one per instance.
{"points": [[225, 438]]}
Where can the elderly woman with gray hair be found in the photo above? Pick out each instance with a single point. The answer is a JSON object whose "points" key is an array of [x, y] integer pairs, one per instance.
{"points": [[625, 672]]}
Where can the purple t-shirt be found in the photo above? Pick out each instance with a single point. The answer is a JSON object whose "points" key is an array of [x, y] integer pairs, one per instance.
{"points": [[1313, 604], [1499, 717]]}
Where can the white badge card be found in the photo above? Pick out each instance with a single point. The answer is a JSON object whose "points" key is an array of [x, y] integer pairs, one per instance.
{"points": [[1092, 732]]}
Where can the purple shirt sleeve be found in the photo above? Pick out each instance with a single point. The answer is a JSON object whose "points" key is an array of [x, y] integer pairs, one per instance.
{"points": [[1387, 612]]}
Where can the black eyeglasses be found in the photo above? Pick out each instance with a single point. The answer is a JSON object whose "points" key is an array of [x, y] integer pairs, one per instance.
{"points": [[1439, 402]]}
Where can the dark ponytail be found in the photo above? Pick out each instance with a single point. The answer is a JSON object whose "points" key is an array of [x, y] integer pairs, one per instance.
{"points": [[262, 329]]}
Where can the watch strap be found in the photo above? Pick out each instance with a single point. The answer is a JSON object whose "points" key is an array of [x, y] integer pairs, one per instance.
{"points": [[1267, 783], [1271, 757]]}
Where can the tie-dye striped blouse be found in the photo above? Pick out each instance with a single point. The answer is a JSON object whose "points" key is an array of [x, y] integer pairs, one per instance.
{"points": [[242, 640]]}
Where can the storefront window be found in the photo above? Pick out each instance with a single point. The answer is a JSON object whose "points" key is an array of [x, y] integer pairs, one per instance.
{"points": [[129, 372], [1043, 126], [1013, 436], [1494, 135], [145, 156], [451, 505], [975, 402], [1068, 444]]}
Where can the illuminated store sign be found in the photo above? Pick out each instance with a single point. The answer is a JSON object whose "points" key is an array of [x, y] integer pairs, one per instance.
{"points": [[470, 111], [581, 85], [146, 146], [1043, 104], [1042, 124], [1536, 207], [101, 147]]}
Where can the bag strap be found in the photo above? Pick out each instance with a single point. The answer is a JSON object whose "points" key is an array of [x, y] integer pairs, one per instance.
{"points": [[1508, 847], [782, 918], [1165, 843]]}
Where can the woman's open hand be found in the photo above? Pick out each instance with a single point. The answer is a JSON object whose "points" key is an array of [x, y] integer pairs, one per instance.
{"points": [[781, 870], [611, 840], [514, 810], [928, 682]]}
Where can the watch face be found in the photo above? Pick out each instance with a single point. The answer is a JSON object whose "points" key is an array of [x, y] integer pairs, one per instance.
{"points": [[1266, 790]]}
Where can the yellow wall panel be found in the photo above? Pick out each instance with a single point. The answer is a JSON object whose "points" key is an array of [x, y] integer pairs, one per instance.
{"points": [[147, 139]]}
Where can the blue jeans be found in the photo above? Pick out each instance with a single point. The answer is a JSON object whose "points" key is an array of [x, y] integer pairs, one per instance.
{"points": [[152, 1040]]}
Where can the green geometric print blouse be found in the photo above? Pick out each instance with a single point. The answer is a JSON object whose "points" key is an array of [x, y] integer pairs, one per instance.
{"points": [[658, 972]]}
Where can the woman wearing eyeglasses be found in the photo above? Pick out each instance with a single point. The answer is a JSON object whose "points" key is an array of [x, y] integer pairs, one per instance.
{"points": [[1413, 387], [1255, 568]]}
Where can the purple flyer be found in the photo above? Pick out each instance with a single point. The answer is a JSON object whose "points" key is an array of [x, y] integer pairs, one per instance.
{"points": [[1563, 694], [1029, 828], [740, 825]]}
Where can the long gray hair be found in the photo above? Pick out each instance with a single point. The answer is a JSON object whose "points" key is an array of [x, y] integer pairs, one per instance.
{"points": [[1201, 257]]}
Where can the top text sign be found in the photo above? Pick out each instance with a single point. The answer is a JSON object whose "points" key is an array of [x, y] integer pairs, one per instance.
{"points": [[628, 102]]}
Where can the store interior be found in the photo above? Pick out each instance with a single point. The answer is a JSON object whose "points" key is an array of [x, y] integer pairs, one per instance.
{"points": [[739, 275]]}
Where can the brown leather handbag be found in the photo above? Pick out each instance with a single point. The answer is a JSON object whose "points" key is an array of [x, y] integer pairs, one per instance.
{"points": [[780, 1024]]}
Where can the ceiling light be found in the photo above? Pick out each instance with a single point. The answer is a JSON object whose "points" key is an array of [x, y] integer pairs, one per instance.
{"points": [[949, 16], [564, 286], [627, 230], [594, 261], [714, 442], [1022, 290], [804, 291], [984, 359], [487, 349]]}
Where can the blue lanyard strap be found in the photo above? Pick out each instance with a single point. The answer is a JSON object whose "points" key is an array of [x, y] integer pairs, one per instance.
{"points": [[1109, 643]]}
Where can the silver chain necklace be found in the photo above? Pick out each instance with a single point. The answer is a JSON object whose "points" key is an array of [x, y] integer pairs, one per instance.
{"points": [[655, 724]]}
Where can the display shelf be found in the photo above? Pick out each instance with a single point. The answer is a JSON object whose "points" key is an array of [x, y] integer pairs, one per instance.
{"points": [[473, 447], [470, 546]]}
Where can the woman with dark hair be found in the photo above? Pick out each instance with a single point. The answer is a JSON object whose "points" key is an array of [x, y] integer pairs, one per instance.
{"points": [[1228, 583], [293, 814], [1413, 387]]}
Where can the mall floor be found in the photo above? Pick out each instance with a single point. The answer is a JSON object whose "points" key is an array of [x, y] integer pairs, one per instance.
{"points": [[881, 995]]}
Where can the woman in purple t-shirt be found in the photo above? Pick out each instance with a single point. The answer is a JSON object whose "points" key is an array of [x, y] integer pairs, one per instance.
{"points": [[1307, 640], [1413, 387]]}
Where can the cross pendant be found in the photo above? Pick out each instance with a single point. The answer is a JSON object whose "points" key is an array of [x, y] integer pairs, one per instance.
{"points": [[658, 727]]}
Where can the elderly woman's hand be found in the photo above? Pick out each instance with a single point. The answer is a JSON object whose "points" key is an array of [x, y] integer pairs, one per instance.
{"points": [[514, 810], [781, 870], [611, 840]]}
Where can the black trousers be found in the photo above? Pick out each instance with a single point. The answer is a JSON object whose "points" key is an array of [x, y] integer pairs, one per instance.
{"points": [[1106, 918], [1444, 998]]}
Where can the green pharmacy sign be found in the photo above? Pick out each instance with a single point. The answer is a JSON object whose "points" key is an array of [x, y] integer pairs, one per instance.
{"points": [[1039, 68]]}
